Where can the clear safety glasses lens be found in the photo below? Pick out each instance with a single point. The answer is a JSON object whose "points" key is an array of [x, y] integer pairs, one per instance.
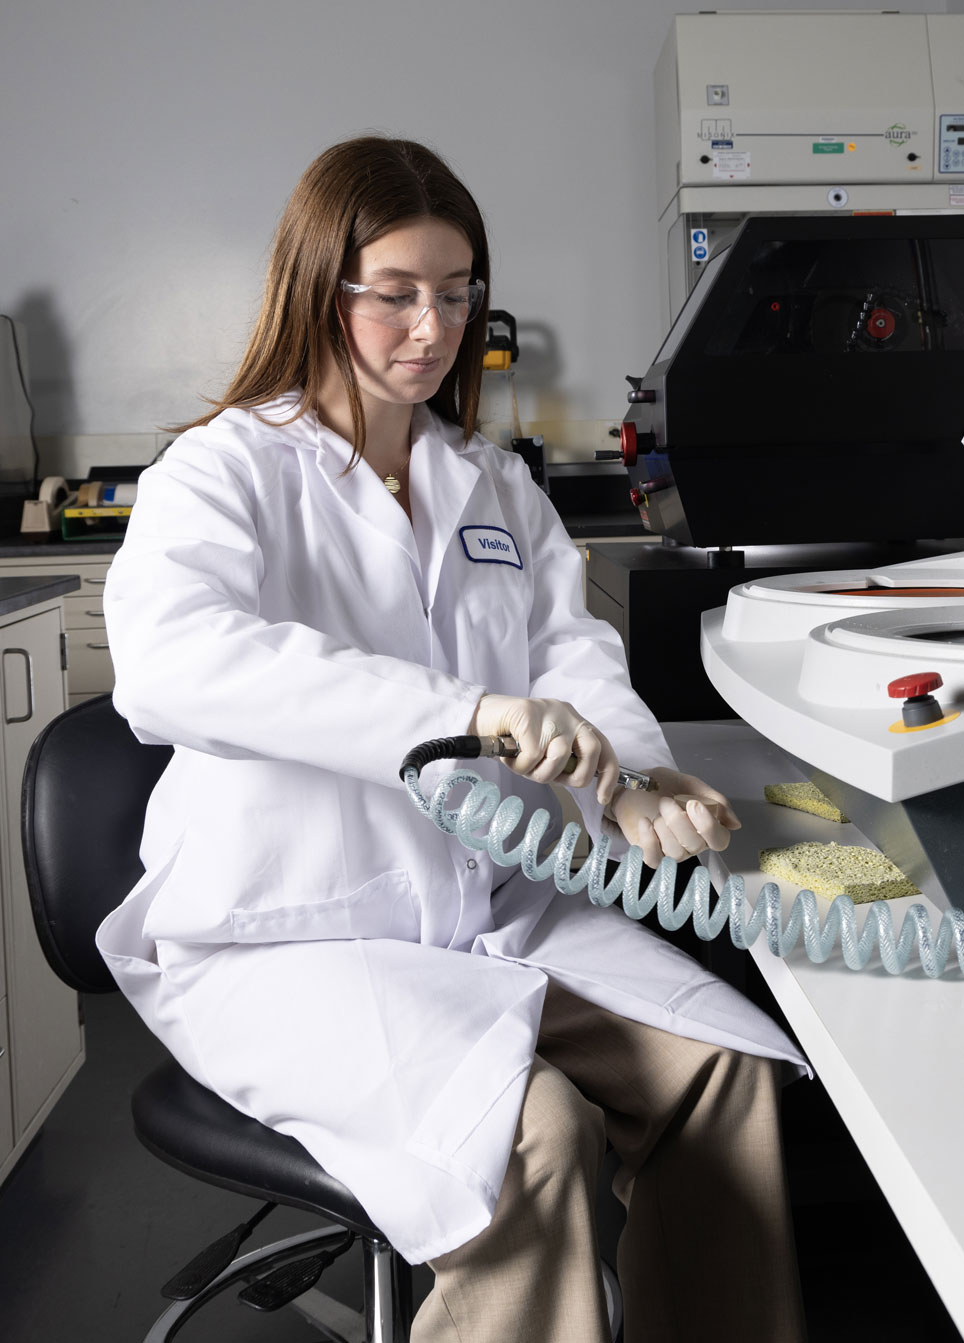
{"points": [[403, 305]]}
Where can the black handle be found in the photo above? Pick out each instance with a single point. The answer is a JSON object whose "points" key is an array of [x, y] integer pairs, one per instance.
{"points": [[441, 748]]}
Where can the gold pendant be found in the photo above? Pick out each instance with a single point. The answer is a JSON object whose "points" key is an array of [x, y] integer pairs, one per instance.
{"points": [[392, 483]]}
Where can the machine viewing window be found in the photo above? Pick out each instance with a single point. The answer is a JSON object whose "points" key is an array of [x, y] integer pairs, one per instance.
{"points": [[853, 430], [845, 296], [691, 307]]}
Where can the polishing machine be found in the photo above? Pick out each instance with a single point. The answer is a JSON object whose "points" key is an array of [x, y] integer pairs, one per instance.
{"points": [[859, 675]]}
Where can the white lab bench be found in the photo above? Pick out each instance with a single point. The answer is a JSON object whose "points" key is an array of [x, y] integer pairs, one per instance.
{"points": [[885, 1047]]}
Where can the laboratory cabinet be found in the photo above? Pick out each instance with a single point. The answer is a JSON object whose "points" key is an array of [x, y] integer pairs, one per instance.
{"points": [[41, 1037], [90, 671]]}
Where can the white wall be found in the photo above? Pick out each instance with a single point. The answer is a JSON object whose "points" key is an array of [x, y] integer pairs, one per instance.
{"points": [[148, 149]]}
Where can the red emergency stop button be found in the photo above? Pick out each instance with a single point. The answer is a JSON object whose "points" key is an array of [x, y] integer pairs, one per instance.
{"points": [[920, 683], [920, 708], [627, 441]]}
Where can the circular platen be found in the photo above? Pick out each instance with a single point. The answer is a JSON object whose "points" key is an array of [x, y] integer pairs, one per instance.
{"points": [[946, 635], [890, 592]]}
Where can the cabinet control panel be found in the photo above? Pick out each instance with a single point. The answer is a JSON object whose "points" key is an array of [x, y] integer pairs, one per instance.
{"points": [[950, 147]]}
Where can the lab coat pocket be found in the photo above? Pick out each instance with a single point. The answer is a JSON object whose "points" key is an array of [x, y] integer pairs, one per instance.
{"points": [[383, 907]]}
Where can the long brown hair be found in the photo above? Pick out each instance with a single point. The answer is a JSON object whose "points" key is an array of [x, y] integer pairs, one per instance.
{"points": [[352, 194]]}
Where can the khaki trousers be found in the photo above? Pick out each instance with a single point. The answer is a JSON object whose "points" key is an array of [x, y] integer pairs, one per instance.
{"points": [[707, 1251]]}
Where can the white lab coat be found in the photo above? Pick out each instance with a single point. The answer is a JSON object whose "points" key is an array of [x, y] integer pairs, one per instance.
{"points": [[302, 940]]}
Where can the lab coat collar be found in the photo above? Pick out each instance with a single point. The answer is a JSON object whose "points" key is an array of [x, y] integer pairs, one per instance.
{"points": [[441, 479], [361, 491]]}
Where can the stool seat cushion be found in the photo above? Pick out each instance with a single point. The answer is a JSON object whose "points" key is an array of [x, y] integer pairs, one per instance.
{"points": [[194, 1130]]}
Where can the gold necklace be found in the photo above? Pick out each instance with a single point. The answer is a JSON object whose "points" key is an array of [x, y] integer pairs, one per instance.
{"points": [[391, 481]]}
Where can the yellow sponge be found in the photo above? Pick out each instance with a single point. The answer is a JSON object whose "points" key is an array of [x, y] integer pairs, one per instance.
{"points": [[803, 797], [838, 869]]}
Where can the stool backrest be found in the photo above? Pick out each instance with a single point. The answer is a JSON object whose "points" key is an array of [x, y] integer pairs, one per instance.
{"points": [[85, 789]]}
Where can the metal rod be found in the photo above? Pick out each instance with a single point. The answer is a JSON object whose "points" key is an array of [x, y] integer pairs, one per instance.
{"points": [[379, 1299]]}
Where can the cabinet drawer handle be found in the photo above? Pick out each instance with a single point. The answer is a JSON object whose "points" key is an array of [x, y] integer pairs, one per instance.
{"points": [[98, 645], [28, 668], [93, 613], [98, 582]]}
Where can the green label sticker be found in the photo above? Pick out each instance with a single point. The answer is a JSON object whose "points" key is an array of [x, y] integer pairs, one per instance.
{"points": [[835, 148]]}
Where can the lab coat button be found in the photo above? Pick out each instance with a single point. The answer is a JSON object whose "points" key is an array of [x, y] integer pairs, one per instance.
{"points": [[471, 864]]}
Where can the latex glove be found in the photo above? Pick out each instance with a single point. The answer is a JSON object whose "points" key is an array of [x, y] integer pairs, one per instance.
{"points": [[684, 817], [548, 731]]}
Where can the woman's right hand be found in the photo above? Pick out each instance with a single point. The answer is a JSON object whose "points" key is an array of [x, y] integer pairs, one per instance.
{"points": [[547, 732], [681, 817]]}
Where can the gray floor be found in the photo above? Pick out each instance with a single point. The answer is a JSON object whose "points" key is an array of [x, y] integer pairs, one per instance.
{"points": [[91, 1224]]}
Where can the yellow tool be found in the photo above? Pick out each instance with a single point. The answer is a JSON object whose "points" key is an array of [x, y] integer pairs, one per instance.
{"points": [[501, 352]]}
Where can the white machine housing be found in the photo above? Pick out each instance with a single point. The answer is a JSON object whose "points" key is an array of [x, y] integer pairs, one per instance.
{"points": [[806, 659], [801, 113]]}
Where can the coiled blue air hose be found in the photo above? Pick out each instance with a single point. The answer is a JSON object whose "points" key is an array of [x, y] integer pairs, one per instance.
{"points": [[484, 806]]}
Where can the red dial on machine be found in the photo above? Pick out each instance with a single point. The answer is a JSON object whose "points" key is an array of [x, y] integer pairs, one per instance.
{"points": [[881, 323], [627, 441]]}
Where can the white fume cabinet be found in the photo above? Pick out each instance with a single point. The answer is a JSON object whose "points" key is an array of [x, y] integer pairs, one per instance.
{"points": [[802, 113]]}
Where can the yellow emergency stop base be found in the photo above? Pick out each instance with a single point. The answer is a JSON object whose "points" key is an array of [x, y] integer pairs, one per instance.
{"points": [[923, 727]]}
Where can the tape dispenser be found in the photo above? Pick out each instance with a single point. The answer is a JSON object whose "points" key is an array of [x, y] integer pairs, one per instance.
{"points": [[43, 513]]}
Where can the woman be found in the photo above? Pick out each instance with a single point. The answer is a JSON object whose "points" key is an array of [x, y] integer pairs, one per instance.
{"points": [[325, 571]]}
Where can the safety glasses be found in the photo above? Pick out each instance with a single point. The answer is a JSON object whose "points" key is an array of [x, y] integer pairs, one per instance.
{"points": [[404, 306]]}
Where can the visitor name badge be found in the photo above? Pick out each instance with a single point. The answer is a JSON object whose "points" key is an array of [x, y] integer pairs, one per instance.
{"points": [[490, 545]]}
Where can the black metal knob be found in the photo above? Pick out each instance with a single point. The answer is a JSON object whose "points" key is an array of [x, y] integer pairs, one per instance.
{"points": [[638, 394]]}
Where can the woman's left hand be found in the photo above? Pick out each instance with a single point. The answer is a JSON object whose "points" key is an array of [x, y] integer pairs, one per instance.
{"points": [[684, 817]]}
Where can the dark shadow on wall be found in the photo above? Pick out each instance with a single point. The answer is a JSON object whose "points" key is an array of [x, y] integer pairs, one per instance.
{"points": [[49, 364], [539, 370]]}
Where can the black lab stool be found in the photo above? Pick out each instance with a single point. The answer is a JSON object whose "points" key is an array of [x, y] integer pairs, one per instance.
{"points": [[85, 789]]}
